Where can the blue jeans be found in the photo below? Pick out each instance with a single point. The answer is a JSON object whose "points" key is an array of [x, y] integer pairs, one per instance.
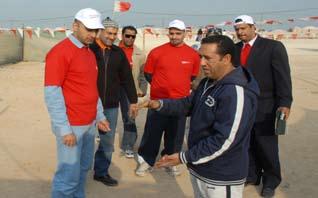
{"points": [[130, 128], [73, 163], [103, 155]]}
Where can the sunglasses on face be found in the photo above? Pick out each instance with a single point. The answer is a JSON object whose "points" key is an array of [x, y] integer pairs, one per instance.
{"points": [[130, 36]]}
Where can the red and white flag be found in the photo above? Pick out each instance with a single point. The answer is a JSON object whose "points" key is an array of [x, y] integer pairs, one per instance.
{"points": [[121, 6]]}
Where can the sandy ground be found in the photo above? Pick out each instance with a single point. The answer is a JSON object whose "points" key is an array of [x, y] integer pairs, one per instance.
{"points": [[28, 155]]}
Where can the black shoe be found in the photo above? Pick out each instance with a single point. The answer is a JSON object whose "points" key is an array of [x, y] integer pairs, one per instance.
{"points": [[107, 180], [268, 192]]}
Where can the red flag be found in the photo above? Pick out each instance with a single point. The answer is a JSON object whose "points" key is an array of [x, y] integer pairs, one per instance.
{"points": [[14, 31], [29, 31], [271, 22], [314, 18], [121, 6], [148, 31]]}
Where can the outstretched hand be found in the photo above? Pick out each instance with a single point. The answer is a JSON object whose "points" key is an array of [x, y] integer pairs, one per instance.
{"points": [[151, 104], [168, 161]]}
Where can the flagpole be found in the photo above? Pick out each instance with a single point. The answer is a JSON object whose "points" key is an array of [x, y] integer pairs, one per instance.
{"points": [[113, 14]]}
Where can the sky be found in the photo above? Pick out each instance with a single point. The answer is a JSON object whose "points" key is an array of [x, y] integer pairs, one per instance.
{"points": [[16, 13]]}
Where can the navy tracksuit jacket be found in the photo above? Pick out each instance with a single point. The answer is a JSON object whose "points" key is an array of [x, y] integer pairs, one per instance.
{"points": [[222, 115]]}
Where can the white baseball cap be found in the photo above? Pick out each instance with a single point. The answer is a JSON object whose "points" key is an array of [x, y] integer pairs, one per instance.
{"points": [[243, 19], [90, 18], [177, 24]]}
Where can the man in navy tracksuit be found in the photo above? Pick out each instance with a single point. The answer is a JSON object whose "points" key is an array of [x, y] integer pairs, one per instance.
{"points": [[222, 112]]}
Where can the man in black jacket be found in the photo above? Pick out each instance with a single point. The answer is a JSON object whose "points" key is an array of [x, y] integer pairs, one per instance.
{"points": [[113, 72], [268, 61]]}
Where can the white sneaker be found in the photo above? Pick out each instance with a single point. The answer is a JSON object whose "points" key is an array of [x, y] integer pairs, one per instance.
{"points": [[129, 153], [173, 171], [143, 169]]}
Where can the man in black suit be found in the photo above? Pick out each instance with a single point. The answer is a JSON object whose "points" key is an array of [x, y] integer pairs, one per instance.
{"points": [[268, 61]]}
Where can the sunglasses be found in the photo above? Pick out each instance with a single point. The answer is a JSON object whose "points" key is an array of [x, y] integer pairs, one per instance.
{"points": [[130, 36]]}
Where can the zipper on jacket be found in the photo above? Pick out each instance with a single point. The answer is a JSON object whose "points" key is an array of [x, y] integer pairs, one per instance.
{"points": [[105, 73]]}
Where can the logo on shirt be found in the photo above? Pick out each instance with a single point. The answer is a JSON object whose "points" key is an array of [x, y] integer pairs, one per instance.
{"points": [[185, 62], [210, 101]]}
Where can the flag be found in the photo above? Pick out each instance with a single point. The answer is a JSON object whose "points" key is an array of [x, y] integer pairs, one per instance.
{"points": [[29, 32], [37, 32], [271, 22], [148, 31], [14, 31], [49, 31], [121, 6], [314, 18], [225, 23], [20, 30]]}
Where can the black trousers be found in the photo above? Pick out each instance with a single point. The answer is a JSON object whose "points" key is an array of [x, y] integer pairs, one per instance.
{"points": [[173, 128], [264, 162]]}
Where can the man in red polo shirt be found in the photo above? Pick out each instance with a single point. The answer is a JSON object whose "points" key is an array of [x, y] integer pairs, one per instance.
{"points": [[170, 69], [72, 100]]}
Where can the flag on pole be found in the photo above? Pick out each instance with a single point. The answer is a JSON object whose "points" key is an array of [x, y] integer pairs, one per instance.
{"points": [[121, 6]]}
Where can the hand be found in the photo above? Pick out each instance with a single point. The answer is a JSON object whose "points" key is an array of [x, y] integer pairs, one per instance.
{"points": [[133, 110], [69, 140], [151, 104], [285, 110], [168, 160], [140, 94], [103, 125]]}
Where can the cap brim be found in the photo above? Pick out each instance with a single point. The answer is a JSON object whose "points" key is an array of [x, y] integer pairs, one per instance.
{"points": [[242, 22], [95, 26], [176, 28]]}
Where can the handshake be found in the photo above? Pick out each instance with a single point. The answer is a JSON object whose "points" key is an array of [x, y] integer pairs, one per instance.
{"points": [[151, 104]]}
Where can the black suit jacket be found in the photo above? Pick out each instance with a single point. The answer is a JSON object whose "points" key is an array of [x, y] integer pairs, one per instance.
{"points": [[268, 62]]}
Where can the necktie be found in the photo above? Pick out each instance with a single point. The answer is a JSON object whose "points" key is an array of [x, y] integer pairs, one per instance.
{"points": [[244, 54]]}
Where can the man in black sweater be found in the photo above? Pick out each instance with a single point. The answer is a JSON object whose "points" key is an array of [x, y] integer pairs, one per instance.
{"points": [[113, 72]]}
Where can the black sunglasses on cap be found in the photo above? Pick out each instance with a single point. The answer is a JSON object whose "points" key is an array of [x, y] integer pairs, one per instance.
{"points": [[130, 36]]}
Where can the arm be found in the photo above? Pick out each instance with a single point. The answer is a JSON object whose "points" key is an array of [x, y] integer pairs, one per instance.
{"points": [[100, 111], [282, 78], [149, 66], [148, 77], [181, 106], [56, 68], [143, 83], [177, 107], [55, 104], [102, 123], [126, 79]]}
